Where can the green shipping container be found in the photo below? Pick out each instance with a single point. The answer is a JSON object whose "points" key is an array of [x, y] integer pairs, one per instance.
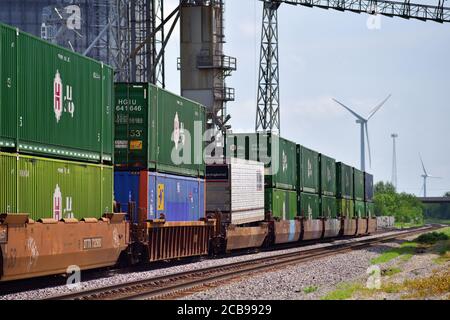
{"points": [[370, 210], [309, 205], [328, 207], [282, 203], [344, 181], [158, 130], [53, 102], [327, 176], [278, 155], [307, 170], [46, 188], [360, 209], [345, 208], [358, 184]]}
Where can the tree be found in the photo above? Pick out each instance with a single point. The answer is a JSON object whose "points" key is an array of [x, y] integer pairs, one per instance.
{"points": [[404, 207], [447, 194]]}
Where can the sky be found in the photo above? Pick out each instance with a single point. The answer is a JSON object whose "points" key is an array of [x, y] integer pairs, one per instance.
{"points": [[327, 54]]}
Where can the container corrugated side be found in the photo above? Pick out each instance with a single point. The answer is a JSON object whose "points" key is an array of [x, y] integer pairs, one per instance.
{"points": [[368, 187], [327, 176], [126, 189], [309, 205], [158, 130], [345, 208], [328, 207], [174, 198], [237, 188], [60, 108], [8, 87], [360, 209], [282, 203], [358, 184], [279, 156], [370, 209], [47, 188], [344, 181], [307, 170]]}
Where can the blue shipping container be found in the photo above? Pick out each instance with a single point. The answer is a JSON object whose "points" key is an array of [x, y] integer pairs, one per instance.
{"points": [[178, 199]]}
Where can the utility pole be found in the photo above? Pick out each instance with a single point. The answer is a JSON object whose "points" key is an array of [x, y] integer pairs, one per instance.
{"points": [[394, 160]]}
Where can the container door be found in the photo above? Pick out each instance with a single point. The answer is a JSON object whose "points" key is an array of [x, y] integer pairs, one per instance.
{"points": [[108, 102], [8, 86], [126, 189], [8, 183], [131, 125]]}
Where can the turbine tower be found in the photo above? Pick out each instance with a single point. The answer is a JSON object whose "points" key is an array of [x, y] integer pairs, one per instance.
{"points": [[364, 129], [394, 161], [425, 176]]}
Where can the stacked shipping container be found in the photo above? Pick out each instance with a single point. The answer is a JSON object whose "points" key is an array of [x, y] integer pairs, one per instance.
{"points": [[308, 169], [54, 103], [280, 175], [368, 195], [358, 188], [159, 153], [344, 190]]}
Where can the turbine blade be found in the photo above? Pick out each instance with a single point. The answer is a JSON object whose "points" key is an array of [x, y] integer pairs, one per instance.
{"points": [[423, 166], [368, 145], [378, 107], [349, 110]]}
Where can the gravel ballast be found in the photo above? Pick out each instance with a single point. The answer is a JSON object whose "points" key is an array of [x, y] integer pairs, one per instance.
{"points": [[324, 271]]}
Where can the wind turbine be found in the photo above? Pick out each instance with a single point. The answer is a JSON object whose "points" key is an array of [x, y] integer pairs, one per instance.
{"points": [[364, 129], [425, 176]]}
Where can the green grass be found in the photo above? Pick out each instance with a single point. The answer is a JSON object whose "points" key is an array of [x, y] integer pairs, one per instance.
{"points": [[343, 291], [391, 271], [310, 289], [400, 225], [432, 237], [407, 249], [445, 231]]}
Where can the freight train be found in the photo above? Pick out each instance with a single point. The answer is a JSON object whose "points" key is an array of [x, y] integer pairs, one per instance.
{"points": [[93, 173]]}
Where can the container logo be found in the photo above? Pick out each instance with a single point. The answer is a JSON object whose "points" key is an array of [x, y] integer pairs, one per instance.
{"points": [[160, 197], [284, 161], [57, 203], [178, 132], [62, 103], [328, 174], [57, 96], [310, 170], [309, 212]]}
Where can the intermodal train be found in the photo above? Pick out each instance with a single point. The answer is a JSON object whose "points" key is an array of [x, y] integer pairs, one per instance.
{"points": [[94, 173]]}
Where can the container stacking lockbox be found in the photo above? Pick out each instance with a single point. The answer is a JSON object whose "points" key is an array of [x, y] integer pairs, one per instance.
{"points": [[161, 196], [54, 189], [278, 155], [235, 188], [158, 131], [53, 102]]}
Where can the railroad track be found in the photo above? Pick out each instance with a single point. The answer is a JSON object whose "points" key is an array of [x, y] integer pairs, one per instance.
{"points": [[184, 283]]}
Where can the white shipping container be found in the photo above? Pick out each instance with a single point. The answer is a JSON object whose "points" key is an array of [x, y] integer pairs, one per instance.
{"points": [[236, 188]]}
